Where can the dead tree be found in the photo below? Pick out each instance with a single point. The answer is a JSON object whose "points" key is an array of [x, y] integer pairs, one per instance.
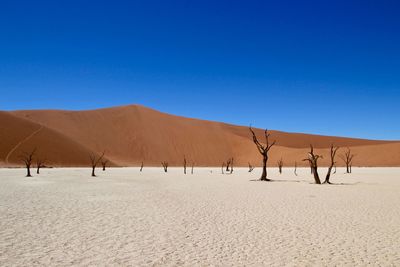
{"points": [[251, 168], [27, 158], [141, 167], [192, 168], [263, 149], [228, 164], [332, 155], [280, 165], [295, 168], [104, 164], [313, 160], [348, 159], [40, 163], [231, 165], [184, 164], [165, 166], [94, 160]]}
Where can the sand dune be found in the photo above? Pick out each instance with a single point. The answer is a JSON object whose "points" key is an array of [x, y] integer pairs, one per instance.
{"points": [[132, 134]]}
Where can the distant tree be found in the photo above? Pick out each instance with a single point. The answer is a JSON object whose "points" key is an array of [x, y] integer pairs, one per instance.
{"points": [[231, 165], [192, 168], [251, 168], [27, 158], [40, 163], [141, 167], [295, 168], [165, 166], [280, 165], [348, 159], [263, 149], [94, 160], [104, 164], [228, 165], [184, 164], [332, 156], [313, 160]]}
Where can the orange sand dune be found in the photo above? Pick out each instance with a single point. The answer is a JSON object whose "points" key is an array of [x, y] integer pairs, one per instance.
{"points": [[20, 135], [132, 134]]}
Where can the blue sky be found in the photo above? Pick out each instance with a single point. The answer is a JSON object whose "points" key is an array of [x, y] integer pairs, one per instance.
{"points": [[326, 67]]}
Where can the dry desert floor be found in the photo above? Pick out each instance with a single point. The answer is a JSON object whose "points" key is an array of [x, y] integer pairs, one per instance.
{"points": [[64, 217]]}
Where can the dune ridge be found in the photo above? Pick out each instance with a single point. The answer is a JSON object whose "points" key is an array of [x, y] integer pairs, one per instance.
{"points": [[132, 134]]}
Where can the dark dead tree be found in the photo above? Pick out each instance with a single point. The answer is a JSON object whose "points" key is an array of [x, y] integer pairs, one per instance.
{"points": [[332, 156], [313, 160], [295, 168], [222, 168], [184, 164], [251, 168], [228, 164], [141, 167], [231, 165], [104, 164], [94, 160], [348, 159], [165, 166], [40, 163], [27, 159], [263, 149], [280, 165]]}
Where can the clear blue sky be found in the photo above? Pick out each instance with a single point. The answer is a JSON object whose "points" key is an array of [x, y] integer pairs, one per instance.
{"points": [[327, 67]]}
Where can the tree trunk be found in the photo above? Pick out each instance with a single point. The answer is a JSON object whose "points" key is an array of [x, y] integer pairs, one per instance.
{"points": [[264, 172], [328, 176], [141, 167], [93, 174], [104, 167], [28, 171], [38, 170], [316, 176]]}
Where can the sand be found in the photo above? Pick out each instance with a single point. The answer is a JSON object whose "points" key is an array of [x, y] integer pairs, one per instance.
{"points": [[125, 218], [132, 134]]}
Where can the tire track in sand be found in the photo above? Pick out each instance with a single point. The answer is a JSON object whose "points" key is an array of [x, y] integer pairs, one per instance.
{"points": [[21, 142]]}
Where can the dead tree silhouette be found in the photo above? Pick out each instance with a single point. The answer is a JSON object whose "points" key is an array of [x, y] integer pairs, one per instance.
{"points": [[104, 164], [263, 151], [165, 166], [94, 160], [251, 168], [184, 164], [348, 159], [280, 165], [332, 156], [228, 164], [313, 160], [141, 167], [27, 158], [231, 165], [40, 163]]}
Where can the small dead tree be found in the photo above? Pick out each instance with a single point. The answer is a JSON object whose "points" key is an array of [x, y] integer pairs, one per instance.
{"points": [[165, 166], [184, 164], [280, 165], [231, 165], [263, 149], [228, 164], [348, 159], [40, 163], [141, 167], [27, 159], [104, 164], [295, 168], [313, 160], [332, 156], [192, 168], [94, 160], [251, 168]]}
